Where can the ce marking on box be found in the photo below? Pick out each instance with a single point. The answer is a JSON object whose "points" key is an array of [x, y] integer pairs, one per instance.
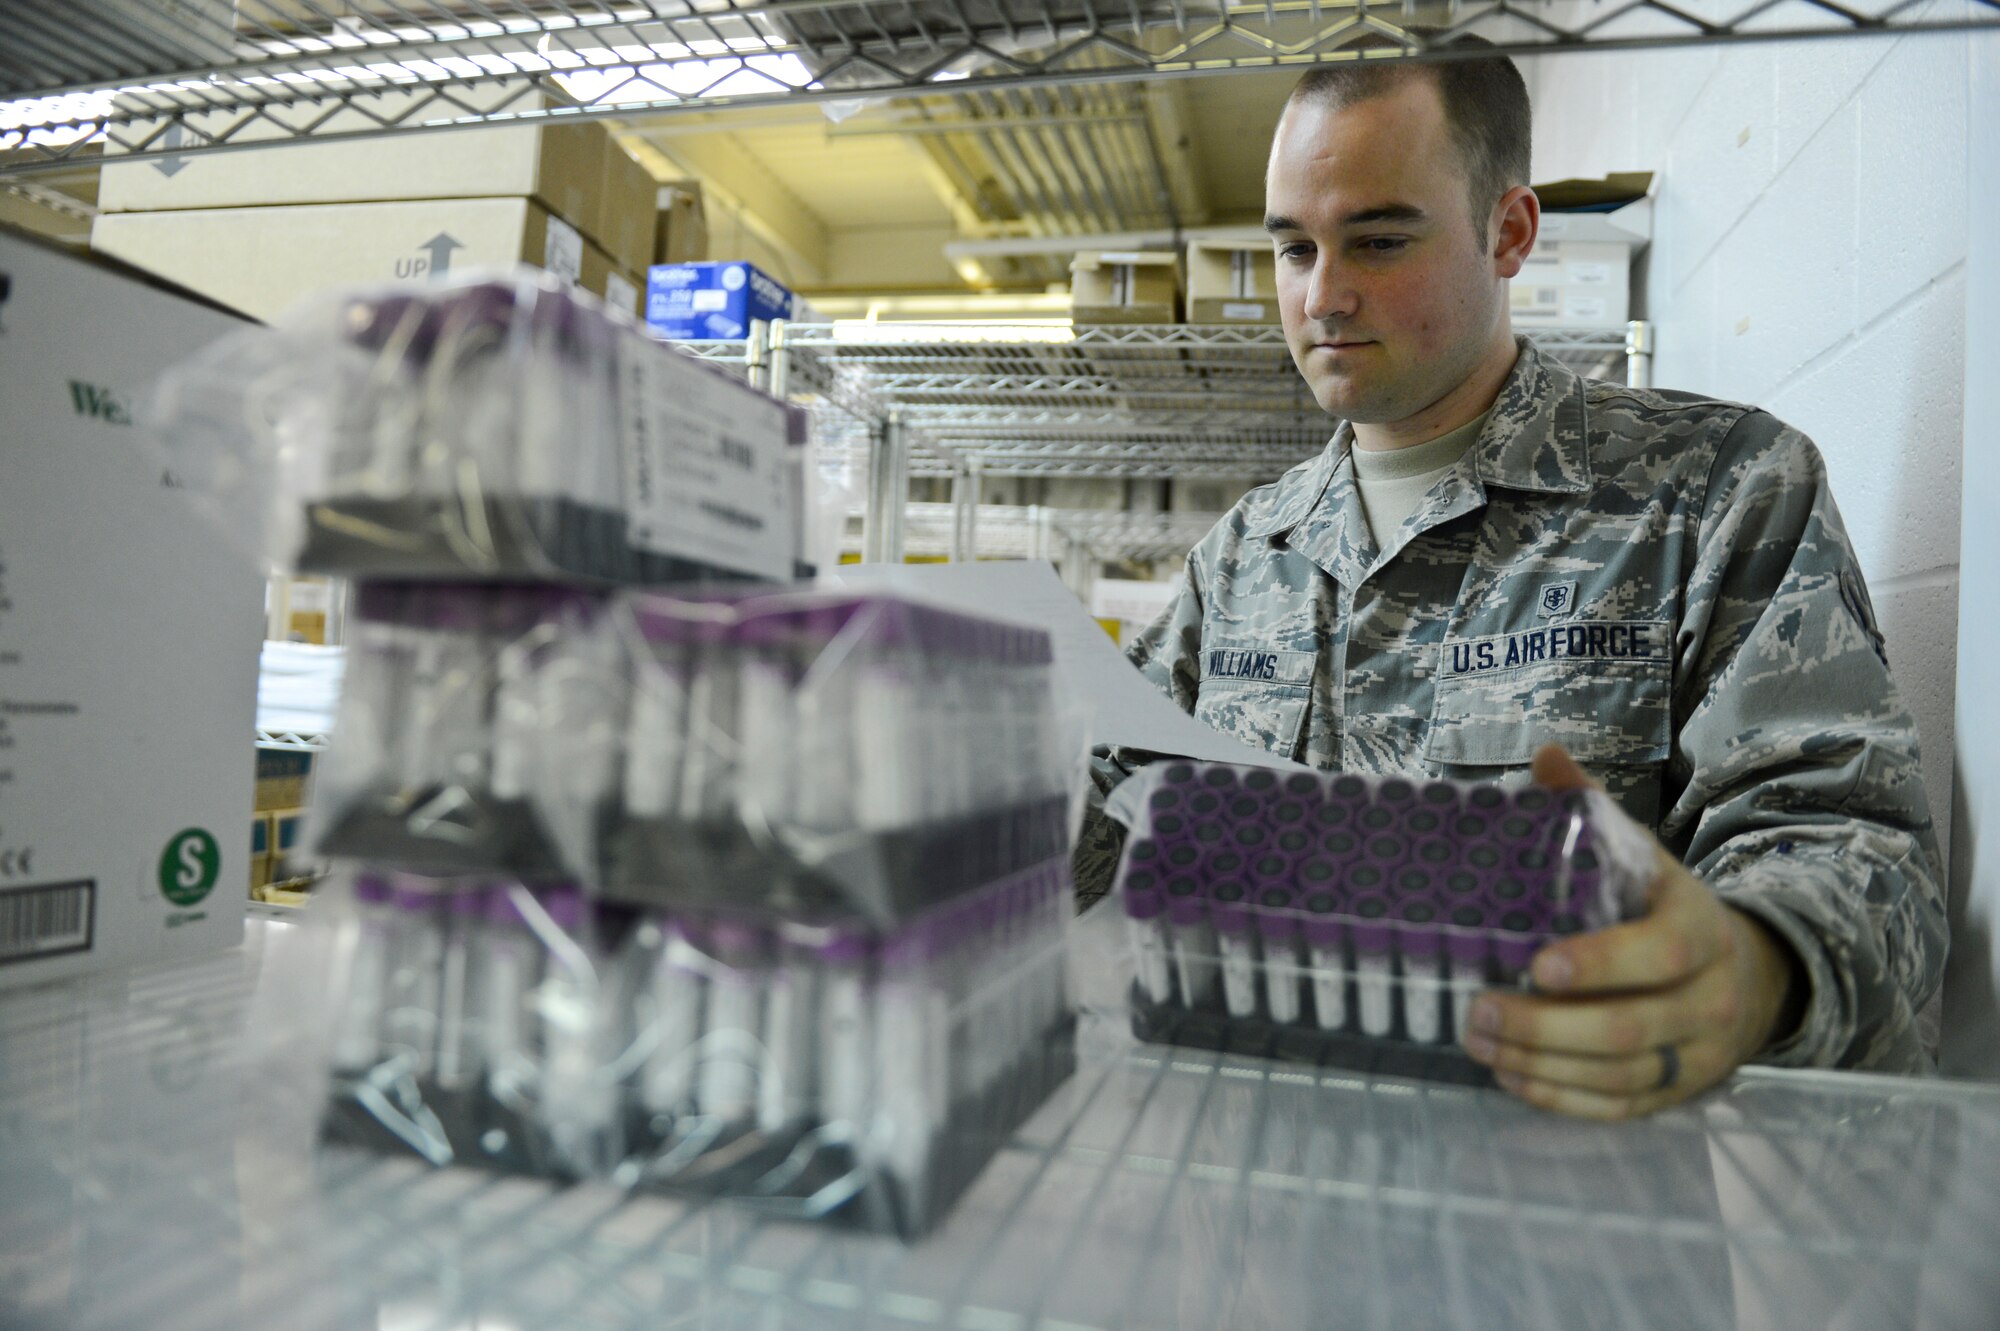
{"points": [[17, 861]]}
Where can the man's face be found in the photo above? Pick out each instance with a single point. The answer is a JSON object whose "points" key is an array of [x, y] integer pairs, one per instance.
{"points": [[1389, 298]]}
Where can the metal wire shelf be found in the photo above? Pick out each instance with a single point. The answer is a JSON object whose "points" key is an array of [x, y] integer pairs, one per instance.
{"points": [[156, 1151], [1137, 402], [166, 78], [294, 741], [1023, 531]]}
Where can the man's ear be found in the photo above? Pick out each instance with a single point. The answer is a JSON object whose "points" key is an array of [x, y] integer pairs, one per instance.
{"points": [[1517, 220]]}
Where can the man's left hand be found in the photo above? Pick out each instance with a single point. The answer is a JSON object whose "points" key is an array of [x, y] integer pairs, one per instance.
{"points": [[1638, 1016]]}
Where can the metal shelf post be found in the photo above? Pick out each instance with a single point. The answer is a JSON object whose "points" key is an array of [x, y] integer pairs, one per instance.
{"points": [[781, 363], [965, 512], [888, 492], [1639, 354]]}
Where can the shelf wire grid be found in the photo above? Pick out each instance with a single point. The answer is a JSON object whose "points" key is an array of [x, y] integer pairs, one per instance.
{"points": [[161, 79], [156, 1150], [1014, 531], [1168, 401], [296, 741]]}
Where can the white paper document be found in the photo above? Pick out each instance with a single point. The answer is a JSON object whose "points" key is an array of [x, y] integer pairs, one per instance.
{"points": [[1091, 673]]}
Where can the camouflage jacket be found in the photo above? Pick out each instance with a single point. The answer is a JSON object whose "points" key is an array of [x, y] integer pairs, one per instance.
{"points": [[1658, 581]]}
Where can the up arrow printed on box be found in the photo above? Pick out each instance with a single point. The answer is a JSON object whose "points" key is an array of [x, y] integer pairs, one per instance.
{"points": [[439, 247]]}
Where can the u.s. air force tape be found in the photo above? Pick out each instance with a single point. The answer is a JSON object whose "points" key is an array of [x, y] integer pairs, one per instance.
{"points": [[1612, 640]]}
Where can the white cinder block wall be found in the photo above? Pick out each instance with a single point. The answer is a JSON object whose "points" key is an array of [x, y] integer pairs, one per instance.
{"points": [[1809, 257], [1972, 981]]}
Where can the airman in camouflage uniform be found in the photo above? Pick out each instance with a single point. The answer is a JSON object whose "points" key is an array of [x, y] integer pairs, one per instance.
{"points": [[1657, 581], [1650, 589]]}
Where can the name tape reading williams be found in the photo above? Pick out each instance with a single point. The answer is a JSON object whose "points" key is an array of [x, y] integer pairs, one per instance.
{"points": [[1249, 663]]}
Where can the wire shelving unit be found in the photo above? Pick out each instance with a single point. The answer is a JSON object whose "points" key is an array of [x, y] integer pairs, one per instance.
{"points": [[163, 79], [158, 1158], [1140, 402]]}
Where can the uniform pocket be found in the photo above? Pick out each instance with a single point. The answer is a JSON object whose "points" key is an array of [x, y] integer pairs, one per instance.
{"points": [[1603, 712], [1267, 716]]}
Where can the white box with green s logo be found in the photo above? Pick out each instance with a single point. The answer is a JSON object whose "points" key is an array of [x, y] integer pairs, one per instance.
{"points": [[128, 639]]}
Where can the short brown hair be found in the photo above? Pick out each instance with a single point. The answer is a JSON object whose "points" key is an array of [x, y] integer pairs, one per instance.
{"points": [[1485, 109]]}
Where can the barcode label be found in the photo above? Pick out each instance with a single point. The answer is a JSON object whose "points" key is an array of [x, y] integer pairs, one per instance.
{"points": [[47, 920]]}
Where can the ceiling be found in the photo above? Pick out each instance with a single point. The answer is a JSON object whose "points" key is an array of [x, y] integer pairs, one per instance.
{"points": [[868, 202]]}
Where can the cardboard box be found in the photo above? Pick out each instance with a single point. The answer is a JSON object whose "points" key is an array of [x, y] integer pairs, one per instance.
{"points": [[1573, 284], [1579, 274], [308, 603], [286, 827], [606, 277], [284, 779], [712, 300], [626, 292], [561, 164], [1125, 287], [626, 209], [260, 852], [1232, 282], [128, 638], [263, 260], [680, 233]]}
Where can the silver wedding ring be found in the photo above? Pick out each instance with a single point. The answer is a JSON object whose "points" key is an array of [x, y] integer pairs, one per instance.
{"points": [[1670, 1067]]}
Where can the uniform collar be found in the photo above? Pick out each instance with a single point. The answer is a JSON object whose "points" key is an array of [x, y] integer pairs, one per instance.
{"points": [[1536, 439]]}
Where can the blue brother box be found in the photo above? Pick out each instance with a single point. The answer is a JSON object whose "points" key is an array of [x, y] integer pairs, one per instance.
{"points": [[711, 300]]}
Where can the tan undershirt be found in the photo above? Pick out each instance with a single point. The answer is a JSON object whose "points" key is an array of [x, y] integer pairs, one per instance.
{"points": [[1394, 481]]}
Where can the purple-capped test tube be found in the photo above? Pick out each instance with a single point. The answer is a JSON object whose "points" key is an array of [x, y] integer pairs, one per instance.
{"points": [[459, 1051], [1373, 937], [448, 733], [791, 1007], [512, 963], [672, 1023], [1515, 943], [1278, 932], [845, 956], [1413, 880], [1441, 796], [766, 763], [912, 1078], [1327, 955], [707, 782], [1466, 944], [1419, 945], [1196, 964], [416, 957], [732, 1027], [1145, 923], [1236, 945], [579, 1100]]}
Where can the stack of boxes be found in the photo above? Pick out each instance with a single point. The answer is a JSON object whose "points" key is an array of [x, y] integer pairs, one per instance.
{"points": [[1579, 274], [1577, 277], [258, 229]]}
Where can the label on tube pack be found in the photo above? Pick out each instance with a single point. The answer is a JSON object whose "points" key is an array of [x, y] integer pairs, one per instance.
{"points": [[706, 472]]}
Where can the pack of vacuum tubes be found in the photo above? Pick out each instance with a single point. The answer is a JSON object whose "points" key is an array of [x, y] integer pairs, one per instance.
{"points": [[728, 886], [1347, 921], [754, 894]]}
